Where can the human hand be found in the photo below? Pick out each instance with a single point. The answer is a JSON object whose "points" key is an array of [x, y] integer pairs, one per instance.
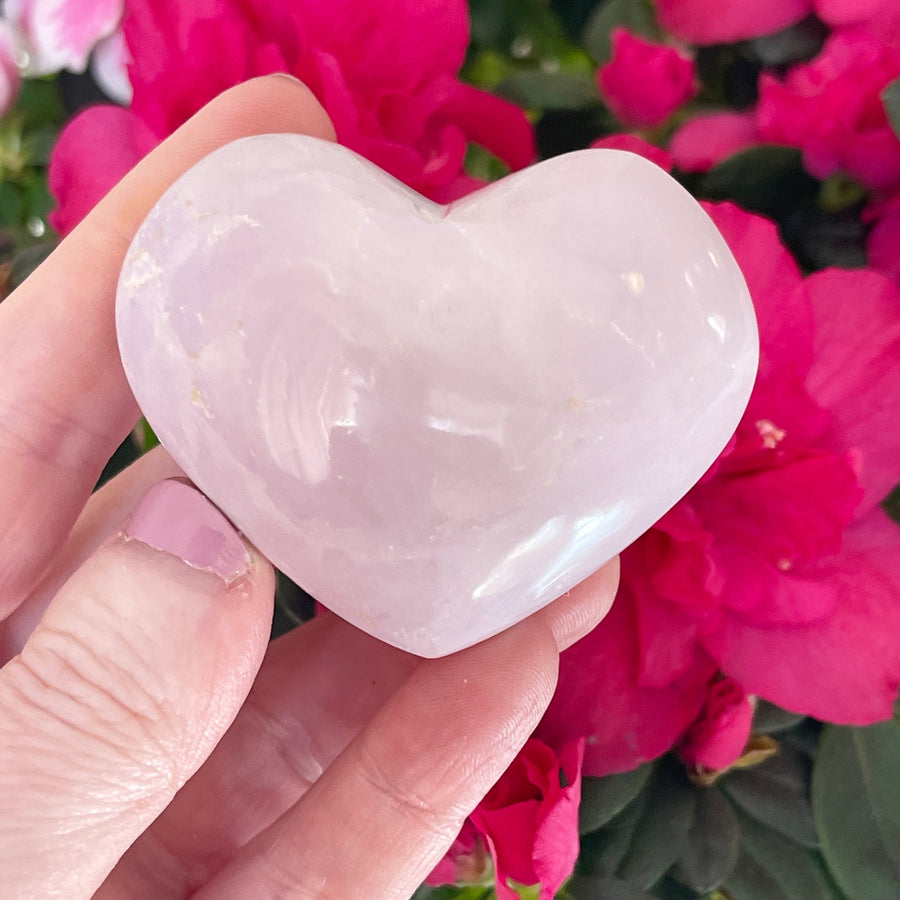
{"points": [[147, 749]]}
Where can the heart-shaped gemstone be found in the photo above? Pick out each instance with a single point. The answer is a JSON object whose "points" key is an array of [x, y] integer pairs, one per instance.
{"points": [[435, 419]]}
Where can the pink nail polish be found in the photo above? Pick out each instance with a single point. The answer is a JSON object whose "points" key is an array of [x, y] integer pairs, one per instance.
{"points": [[176, 518]]}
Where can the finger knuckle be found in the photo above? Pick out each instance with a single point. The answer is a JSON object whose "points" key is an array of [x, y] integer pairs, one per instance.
{"points": [[385, 779]]}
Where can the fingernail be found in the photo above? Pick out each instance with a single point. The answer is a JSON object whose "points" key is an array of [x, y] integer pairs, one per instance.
{"points": [[176, 518]]}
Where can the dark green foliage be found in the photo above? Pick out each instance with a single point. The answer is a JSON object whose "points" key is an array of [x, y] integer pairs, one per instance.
{"points": [[798, 43], [660, 835], [856, 803], [638, 16], [777, 795], [890, 97], [604, 798], [535, 89], [712, 846], [771, 719]]}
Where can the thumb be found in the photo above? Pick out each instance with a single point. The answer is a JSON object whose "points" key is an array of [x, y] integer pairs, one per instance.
{"points": [[138, 667]]}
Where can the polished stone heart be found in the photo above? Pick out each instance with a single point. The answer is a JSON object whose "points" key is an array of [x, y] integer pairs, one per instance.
{"points": [[435, 419]]}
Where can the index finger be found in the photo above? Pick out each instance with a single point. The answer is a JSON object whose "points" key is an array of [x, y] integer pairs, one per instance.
{"points": [[64, 402]]}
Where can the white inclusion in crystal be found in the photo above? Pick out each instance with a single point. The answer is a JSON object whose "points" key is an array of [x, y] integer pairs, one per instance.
{"points": [[633, 343], [225, 225], [141, 268], [635, 282]]}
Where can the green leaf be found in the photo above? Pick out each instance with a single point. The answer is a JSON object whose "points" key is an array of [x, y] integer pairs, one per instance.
{"points": [[856, 802], [770, 719], [890, 98], [772, 868], [12, 204], [28, 259], [669, 889], [574, 14], [583, 887], [891, 505], [451, 892], [604, 798], [804, 738], [794, 44], [602, 851], [637, 16], [39, 103], [767, 178], [661, 834], [776, 793], [535, 89], [713, 842], [38, 144], [820, 239], [524, 29]]}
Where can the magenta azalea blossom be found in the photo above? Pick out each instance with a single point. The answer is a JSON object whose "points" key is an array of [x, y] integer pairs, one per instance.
{"points": [[528, 821], [726, 21], [778, 570], [706, 139], [718, 736], [880, 18], [883, 245], [385, 72], [831, 109], [644, 83], [634, 143]]}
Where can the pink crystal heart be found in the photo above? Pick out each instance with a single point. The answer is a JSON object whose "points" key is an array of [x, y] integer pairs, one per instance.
{"points": [[435, 419]]}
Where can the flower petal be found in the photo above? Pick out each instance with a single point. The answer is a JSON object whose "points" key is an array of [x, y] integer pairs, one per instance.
{"points": [[855, 373], [598, 697], [96, 148], [719, 735], [845, 668], [705, 140], [727, 21], [633, 143]]}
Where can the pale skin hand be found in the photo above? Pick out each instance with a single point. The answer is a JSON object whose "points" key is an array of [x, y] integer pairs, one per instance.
{"points": [[329, 766]]}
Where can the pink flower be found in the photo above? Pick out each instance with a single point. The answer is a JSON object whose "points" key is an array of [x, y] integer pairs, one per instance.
{"points": [[778, 570], [644, 83], [831, 109], [707, 139], [386, 72], [9, 71], [635, 144], [883, 245], [727, 21], [880, 18], [528, 821], [60, 34], [719, 735]]}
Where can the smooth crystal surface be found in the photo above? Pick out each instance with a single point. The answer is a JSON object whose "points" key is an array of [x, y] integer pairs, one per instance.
{"points": [[435, 419]]}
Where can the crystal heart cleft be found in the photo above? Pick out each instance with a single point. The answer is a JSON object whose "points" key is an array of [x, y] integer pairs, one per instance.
{"points": [[435, 419]]}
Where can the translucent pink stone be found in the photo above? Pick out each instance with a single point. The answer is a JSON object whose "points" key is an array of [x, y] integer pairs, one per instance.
{"points": [[435, 419]]}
